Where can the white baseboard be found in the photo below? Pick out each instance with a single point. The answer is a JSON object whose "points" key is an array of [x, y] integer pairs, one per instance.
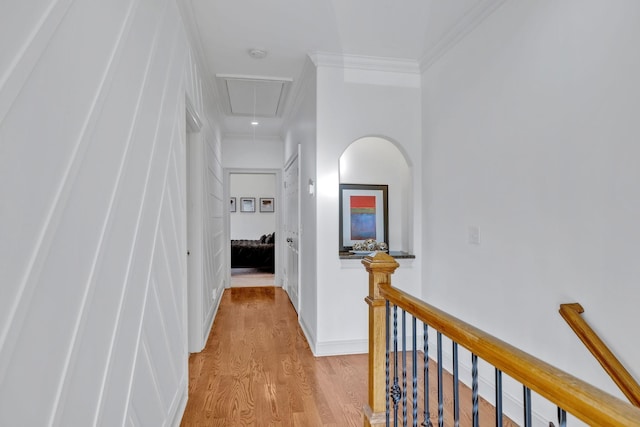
{"points": [[336, 348], [211, 317], [180, 404], [311, 339]]}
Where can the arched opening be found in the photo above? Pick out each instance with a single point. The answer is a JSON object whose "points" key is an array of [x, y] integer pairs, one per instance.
{"points": [[378, 161]]}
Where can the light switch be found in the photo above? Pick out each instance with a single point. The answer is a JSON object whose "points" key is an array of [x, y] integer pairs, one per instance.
{"points": [[474, 235]]}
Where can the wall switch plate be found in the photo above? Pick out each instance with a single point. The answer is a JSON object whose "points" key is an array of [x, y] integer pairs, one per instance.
{"points": [[474, 235]]}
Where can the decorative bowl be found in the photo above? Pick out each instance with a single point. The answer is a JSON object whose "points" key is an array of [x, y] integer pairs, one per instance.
{"points": [[370, 245]]}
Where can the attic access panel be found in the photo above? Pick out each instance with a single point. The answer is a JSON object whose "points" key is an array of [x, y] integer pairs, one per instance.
{"points": [[262, 98]]}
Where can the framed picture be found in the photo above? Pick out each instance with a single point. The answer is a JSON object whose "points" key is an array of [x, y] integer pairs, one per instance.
{"points": [[266, 204], [232, 205], [364, 214], [247, 204]]}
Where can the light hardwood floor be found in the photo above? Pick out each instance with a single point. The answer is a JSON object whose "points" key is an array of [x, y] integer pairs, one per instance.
{"points": [[257, 370], [251, 277]]}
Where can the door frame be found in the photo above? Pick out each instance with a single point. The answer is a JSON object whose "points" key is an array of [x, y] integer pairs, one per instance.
{"points": [[278, 212], [296, 157]]}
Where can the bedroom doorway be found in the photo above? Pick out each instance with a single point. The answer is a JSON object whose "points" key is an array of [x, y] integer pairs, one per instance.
{"points": [[253, 226], [251, 278]]}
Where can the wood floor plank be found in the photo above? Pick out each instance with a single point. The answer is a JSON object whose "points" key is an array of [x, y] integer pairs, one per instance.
{"points": [[257, 370]]}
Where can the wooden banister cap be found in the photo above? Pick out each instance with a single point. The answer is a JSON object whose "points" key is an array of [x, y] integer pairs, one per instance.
{"points": [[574, 306], [380, 262]]}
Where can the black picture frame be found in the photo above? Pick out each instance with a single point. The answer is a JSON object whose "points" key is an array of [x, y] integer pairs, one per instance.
{"points": [[369, 218]]}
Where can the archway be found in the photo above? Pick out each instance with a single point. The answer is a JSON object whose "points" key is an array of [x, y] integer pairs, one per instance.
{"points": [[376, 160]]}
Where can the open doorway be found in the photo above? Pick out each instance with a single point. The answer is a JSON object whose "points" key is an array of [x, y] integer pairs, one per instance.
{"points": [[254, 221]]}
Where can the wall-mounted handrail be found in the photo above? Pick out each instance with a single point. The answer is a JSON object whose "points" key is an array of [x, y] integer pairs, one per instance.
{"points": [[577, 397], [602, 353]]}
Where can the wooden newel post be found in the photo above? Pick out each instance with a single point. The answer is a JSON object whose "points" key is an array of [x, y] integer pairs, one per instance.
{"points": [[380, 267]]}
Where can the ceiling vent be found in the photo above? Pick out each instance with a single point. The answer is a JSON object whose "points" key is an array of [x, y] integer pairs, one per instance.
{"points": [[253, 96]]}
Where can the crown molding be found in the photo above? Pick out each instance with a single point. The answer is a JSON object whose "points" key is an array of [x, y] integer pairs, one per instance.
{"points": [[296, 94], [370, 63], [459, 31]]}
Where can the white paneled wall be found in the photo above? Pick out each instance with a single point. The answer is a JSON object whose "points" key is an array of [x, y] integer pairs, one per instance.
{"points": [[93, 211], [214, 242]]}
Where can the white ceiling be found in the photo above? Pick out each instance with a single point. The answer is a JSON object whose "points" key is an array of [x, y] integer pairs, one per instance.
{"points": [[289, 30]]}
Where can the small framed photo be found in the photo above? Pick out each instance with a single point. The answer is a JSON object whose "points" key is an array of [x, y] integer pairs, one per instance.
{"points": [[266, 204], [247, 204], [232, 204]]}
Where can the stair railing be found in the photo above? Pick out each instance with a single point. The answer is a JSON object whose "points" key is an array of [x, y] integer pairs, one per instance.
{"points": [[618, 373], [567, 392]]}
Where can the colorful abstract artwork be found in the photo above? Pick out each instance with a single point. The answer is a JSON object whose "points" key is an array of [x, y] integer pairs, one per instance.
{"points": [[364, 213], [363, 217]]}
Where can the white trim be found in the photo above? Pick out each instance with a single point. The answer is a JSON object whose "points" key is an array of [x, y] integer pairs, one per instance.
{"points": [[211, 316], [359, 62], [194, 123], [311, 339], [336, 348], [253, 78], [294, 159], [198, 54], [227, 219], [467, 23], [180, 404], [296, 94], [16, 73]]}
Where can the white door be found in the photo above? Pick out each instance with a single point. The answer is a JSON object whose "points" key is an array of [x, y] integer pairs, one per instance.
{"points": [[291, 231], [198, 332]]}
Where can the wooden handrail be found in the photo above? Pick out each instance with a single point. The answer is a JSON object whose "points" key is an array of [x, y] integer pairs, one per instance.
{"points": [[581, 399], [602, 353], [577, 397]]}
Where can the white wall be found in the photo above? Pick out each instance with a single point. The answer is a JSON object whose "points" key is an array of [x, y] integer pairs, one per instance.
{"points": [[354, 103], [531, 134], [301, 131], [206, 234], [252, 225], [92, 223], [246, 153]]}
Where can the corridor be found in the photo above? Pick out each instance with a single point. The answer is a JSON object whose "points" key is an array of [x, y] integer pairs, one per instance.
{"points": [[257, 370]]}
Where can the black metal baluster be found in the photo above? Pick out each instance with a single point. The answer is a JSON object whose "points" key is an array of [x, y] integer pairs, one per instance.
{"points": [[562, 417], [440, 381], [395, 390], [456, 388], [498, 398], [527, 407], [414, 360], [474, 390], [404, 368], [427, 414], [386, 361]]}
